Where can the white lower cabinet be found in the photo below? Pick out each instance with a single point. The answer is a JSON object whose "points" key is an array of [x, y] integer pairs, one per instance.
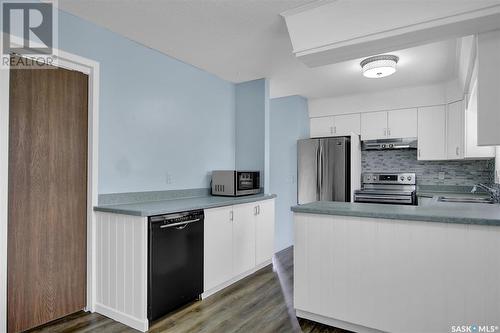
{"points": [[380, 275], [238, 240], [243, 238], [218, 244], [264, 232]]}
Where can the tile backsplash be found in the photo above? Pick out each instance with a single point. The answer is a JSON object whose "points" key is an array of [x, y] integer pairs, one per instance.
{"points": [[463, 173]]}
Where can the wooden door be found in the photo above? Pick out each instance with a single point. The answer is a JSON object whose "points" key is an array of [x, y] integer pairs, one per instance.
{"points": [[374, 125], [47, 196], [218, 247]]}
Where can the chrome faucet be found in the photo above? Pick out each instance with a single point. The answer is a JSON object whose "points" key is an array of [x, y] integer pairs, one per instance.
{"points": [[492, 190]]}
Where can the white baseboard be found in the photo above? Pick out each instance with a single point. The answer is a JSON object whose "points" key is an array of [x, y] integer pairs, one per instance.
{"points": [[235, 279], [138, 324], [335, 322]]}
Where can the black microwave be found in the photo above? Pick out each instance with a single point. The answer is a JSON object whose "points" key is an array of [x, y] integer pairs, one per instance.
{"points": [[234, 183]]}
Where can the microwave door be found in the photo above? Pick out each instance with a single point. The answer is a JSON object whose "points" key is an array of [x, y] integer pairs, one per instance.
{"points": [[307, 170]]}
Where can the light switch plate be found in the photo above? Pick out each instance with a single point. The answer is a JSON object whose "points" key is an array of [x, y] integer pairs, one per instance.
{"points": [[441, 175]]}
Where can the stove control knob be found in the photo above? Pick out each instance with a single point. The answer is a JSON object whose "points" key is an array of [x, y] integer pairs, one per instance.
{"points": [[402, 178], [409, 178]]}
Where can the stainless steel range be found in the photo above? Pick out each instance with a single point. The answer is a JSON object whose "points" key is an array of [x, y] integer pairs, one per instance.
{"points": [[387, 188]]}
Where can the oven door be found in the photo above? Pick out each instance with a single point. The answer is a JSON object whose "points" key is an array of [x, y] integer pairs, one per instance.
{"points": [[389, 197]]}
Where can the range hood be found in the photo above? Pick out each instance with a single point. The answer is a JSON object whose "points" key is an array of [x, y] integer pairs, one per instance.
{"points": [[389, 144]]}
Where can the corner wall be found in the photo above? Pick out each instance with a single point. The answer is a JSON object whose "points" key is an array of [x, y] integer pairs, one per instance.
{"points": [[252, 129], [289, 122]]}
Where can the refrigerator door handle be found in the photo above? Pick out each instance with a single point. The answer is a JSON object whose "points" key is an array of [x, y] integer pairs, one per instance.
{"points": [[318, 171]]}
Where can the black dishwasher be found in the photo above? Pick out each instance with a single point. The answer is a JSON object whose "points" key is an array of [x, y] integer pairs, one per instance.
{"points": [[175, 261]]}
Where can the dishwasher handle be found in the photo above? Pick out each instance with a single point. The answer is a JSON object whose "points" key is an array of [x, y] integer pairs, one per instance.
{"points": [[183, 223]]}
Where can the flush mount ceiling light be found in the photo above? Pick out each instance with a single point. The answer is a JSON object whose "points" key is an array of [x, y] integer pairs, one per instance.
{"points": [[379, 66]]}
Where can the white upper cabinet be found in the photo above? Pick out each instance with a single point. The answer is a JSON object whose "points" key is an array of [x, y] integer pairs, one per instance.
{"points": [[432, 133], [374, 125], [341, 125], [402, 123], [455, 130], [320, 127], [389, 124], [346, 124]]}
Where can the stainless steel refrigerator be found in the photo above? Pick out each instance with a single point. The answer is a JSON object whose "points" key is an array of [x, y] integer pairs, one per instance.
{"points": [[324, 170]]}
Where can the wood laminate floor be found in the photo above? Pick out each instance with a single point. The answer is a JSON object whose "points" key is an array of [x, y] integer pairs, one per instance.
{"points": [[260, 303]]}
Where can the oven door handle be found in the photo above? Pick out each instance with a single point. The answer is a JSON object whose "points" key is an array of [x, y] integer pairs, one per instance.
{"points": [[378, 192], [377, 197]]}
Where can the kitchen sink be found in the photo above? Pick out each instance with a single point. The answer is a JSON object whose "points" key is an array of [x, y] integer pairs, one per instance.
{"points": [[465, 200]]}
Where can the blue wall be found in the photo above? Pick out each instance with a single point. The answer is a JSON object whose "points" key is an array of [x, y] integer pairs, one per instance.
{"points": [[289, 121], [158, 115], [252, 110]]}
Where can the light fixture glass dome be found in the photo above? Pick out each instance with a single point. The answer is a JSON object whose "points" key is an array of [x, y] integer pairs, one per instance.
{"points": [[379, 66]]}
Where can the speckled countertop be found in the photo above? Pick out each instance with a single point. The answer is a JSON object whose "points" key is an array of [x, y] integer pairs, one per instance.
{"points": [[150, 208], [443, 212]]}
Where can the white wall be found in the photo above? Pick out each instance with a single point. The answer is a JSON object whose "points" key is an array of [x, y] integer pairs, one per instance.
{"points": [[393, 99]]}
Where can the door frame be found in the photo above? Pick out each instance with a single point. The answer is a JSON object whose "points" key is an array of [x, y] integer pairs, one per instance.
{"points": [[91, 68]]}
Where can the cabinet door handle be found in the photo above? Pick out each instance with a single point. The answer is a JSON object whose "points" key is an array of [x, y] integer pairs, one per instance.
{"points": [[457, 150], [258, 210], [331, 130], [385, 131], [389, 132], [335, 129], [255, 210], [231, 216], [419, 152]]}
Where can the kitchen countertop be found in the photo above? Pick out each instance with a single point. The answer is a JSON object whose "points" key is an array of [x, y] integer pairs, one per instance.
{"points": [[443, 212], [150, 208]]}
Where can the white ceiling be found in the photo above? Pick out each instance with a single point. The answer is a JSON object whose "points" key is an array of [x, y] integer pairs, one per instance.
{"points": [[241, 40]]}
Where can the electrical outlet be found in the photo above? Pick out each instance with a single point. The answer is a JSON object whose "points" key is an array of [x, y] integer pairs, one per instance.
{"points": [[441, 175], [168, 178]]}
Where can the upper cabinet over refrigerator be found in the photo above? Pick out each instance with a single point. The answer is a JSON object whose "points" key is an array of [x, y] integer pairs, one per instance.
{"points": [[340, 125]]}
